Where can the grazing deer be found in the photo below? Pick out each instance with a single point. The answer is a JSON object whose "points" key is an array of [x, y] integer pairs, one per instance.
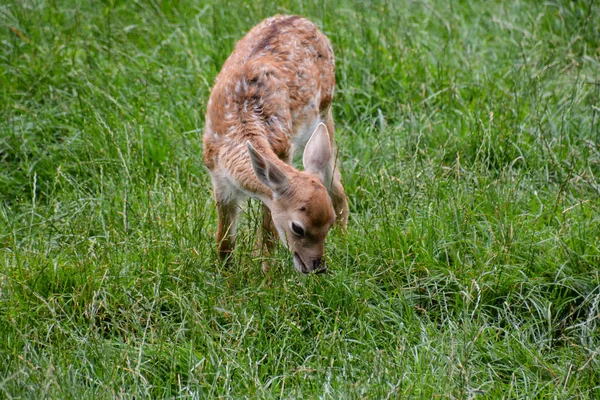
{"points": [[271, 100]]}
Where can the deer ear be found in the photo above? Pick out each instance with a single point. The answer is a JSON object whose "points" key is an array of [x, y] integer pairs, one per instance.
{"points": [[267, 172], [317, 153]]}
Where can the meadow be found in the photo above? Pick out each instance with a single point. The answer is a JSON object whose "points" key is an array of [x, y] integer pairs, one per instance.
{"points": [[469, 143]]}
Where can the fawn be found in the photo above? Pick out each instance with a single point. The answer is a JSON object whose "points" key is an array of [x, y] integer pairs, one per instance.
{"points": [[272, 100]]}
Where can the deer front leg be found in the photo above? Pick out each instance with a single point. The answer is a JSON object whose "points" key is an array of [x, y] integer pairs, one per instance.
{"points": [[268, 237], [227, 212], [338, 198], [337, 192]]}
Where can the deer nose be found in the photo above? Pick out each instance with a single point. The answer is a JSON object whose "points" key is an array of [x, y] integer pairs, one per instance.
{"points": [[319, 265]]}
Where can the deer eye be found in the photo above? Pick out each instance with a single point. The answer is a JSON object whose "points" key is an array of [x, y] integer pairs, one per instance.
{"points": [[297, 229]]}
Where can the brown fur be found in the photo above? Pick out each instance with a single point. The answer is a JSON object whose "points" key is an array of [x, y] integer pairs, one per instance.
{"points": [[271, 94]]}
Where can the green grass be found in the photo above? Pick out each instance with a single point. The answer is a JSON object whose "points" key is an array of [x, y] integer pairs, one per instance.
{"points": [[469, 141]]}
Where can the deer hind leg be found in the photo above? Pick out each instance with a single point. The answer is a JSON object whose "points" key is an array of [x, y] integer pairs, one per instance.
{"points": [[268, 237], [337, 192]]}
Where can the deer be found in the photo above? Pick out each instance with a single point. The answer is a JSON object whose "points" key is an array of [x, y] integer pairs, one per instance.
{"points": [[271, 102]]}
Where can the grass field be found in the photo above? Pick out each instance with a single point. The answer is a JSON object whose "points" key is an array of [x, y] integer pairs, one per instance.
{"points": [[469, 142]]}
